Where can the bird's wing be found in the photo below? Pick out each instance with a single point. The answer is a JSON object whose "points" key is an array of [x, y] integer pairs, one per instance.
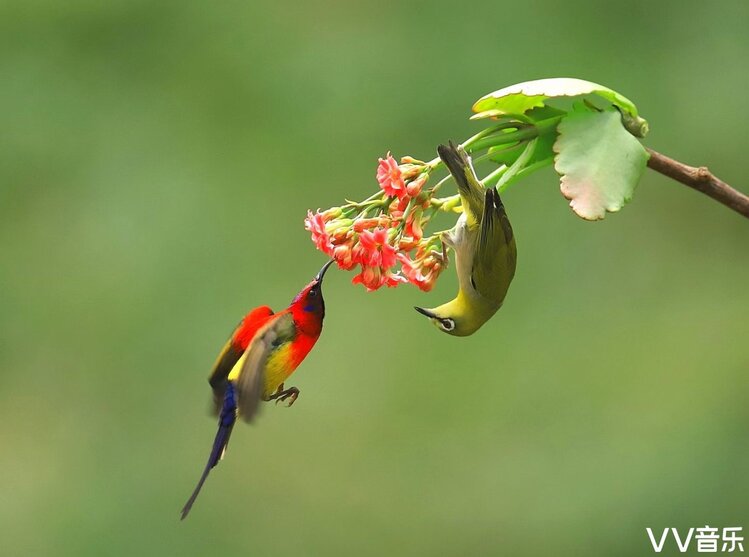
{"points": [[471, 191], [251, 379], [495, 252], [227, 359], [233, 350]]}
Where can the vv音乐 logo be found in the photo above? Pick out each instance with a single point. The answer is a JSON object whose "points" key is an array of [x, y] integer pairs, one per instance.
{"points": [[703, 540]]}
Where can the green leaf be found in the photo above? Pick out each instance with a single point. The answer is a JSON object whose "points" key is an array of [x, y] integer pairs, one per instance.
{"points": [[508, 155], [523, 97], [599, 161], [544, 113]]}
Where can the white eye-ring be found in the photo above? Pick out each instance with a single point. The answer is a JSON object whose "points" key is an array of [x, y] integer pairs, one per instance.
{"points": [[447, 324]]}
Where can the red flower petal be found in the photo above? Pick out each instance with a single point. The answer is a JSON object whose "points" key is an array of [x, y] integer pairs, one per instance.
{"points": [[315, 223], [390, 178]]}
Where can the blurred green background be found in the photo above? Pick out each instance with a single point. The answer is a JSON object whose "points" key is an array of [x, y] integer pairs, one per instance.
{"points": [[156, 162]]}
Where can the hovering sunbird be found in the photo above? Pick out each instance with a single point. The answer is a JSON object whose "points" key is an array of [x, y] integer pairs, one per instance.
{"points": [[485, 252], [261, 354]]}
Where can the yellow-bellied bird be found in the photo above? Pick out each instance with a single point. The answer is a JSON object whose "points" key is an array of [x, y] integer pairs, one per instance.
{"points": [[485, 252], [262, 352]]}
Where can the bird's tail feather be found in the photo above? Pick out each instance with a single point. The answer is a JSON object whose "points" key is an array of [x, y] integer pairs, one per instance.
{"points": [[225, 425], [459, 164]]}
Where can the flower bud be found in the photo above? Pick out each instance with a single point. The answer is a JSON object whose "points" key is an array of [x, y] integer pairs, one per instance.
{"points": [[338, 224], [413, 188], [341, 235], [410, 160], [332, 213], [409, 171], [365, 224], [344, 257]]}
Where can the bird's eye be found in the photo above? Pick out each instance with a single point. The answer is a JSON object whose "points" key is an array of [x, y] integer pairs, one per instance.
{"points": [[447, 324], [313, 292]]}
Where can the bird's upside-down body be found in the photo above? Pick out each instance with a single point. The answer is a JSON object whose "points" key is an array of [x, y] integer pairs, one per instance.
{"points": [[484, 247]]}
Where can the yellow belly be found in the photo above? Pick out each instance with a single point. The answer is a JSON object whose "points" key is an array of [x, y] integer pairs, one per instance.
{"points": [[277, 368]]}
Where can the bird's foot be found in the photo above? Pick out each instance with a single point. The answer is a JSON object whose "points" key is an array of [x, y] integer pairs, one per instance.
{"points": [[283, 395], [447, 237]]}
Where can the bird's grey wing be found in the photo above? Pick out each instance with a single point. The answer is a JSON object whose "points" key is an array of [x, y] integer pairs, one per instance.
{"points": [[251, 380], [495, 253]]}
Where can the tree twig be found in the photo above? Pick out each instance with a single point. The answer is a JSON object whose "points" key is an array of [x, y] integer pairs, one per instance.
{"points": [[700, 179]]}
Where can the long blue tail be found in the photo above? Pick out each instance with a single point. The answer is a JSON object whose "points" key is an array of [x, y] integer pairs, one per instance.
{"points": [[226, 421]]}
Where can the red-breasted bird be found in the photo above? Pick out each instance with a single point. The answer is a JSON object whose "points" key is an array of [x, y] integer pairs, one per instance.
{"points": [[261, 354]]}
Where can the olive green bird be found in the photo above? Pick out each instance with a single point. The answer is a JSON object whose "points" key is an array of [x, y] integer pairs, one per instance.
{"points": [[484, 247]]}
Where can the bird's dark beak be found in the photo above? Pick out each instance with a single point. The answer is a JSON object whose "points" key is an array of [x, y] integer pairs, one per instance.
{"points": [[426, 312], [322, 272]]}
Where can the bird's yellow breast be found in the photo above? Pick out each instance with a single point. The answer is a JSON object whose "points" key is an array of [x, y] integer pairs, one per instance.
{"points": [[277, 368]]}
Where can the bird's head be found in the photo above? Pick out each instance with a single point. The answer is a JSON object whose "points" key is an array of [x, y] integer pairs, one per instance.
{"points": [[309, 306], [452, 318]]}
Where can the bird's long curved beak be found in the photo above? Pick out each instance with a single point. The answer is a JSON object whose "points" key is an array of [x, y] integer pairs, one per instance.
{"points": [[426, 312], [324, 269]]}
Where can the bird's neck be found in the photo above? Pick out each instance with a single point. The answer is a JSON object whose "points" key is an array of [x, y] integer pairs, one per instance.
{"points": [[308, 323], [308, 330]]}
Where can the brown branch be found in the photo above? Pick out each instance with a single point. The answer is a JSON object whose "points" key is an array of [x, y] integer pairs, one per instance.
{"points": [[700, 179]]}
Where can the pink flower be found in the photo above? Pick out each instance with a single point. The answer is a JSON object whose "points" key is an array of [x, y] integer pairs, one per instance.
{"points": [[376, 251], [398, 207], [315, 223], [380, 233], [374, 278], [390, 178], [411, 270], [424, 271], [344, 256], [413, 225]]}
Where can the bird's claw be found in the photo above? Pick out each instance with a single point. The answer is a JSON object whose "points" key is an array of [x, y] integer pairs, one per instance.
{"points": [[290, 395]]}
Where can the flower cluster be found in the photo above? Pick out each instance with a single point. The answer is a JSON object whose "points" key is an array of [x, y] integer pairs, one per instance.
{"points": [[423, 270], [384, 235]]}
